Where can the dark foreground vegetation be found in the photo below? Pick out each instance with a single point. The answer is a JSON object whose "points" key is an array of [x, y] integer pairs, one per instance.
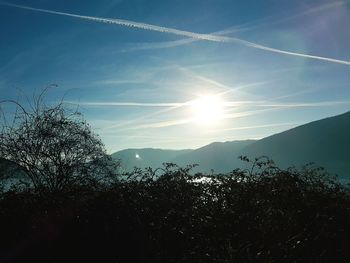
{"points": [[66, 200], [263, 215]]}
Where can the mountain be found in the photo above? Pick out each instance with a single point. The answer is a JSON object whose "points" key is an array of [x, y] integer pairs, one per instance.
{"points": [[325, 142], [220, 157], [147, 157]]}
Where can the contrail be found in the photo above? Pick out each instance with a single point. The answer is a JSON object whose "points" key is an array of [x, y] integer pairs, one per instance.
{"points": [[126, 104], [128, 23], [180, 42], [244, 27], [199, 36], [151, 104]]}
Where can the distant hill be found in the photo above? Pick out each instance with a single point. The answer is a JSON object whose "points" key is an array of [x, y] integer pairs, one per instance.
{"points": [[147, 157], [218, 156], [325, 142]]}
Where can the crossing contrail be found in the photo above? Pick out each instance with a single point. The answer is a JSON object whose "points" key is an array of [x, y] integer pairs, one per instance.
{"points": [[198, 36]]}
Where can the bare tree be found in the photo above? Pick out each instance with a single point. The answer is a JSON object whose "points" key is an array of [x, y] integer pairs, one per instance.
{"points": [[55, 146]]}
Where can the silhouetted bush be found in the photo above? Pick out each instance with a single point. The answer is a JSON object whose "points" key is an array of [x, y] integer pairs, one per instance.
{"points": [[264, 214], [54, 147]]}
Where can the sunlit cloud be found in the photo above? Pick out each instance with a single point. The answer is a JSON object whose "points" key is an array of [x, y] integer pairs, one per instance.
{"points": [[177, 122], [229, 104], [158, 104], [139, 123], [175, 105], [199, 36], [206, 82]]}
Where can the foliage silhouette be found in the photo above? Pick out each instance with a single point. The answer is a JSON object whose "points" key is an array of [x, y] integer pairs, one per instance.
{"points": [[55, 146], [172, 215]]}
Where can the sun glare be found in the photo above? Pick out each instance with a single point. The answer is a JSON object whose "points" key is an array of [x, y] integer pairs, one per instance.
{"points": [[207, 109]]}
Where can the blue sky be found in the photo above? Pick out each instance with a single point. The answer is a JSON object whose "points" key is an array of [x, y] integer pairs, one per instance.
{"points": [[135, 85]]}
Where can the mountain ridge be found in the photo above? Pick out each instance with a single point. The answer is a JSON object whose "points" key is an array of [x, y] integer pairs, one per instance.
{"points": [[146, 157], [326, 142]]}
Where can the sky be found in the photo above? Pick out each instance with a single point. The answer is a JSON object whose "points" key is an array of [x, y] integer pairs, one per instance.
{"points": [[180, 74]]}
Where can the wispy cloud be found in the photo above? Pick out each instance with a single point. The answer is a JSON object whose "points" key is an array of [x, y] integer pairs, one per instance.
{"points": [[285, 17], [199, 36], [177, 122], [231, 107], [125, 104], [312, 10], [226, 88], [155, 104], [162, 124], [271, 106], [305, 104], [118, 82]]}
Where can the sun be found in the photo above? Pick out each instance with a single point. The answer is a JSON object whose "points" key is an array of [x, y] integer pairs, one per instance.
{"points": [[207, 109]]}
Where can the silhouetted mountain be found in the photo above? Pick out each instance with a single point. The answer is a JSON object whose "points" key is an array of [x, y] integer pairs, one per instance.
{"points": [[218, 156], [147, 157], [325, 142]]}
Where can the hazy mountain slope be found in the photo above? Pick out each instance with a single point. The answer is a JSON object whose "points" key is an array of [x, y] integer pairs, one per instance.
{"points": [[148, 157], [219, 156], [325, 142]]}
